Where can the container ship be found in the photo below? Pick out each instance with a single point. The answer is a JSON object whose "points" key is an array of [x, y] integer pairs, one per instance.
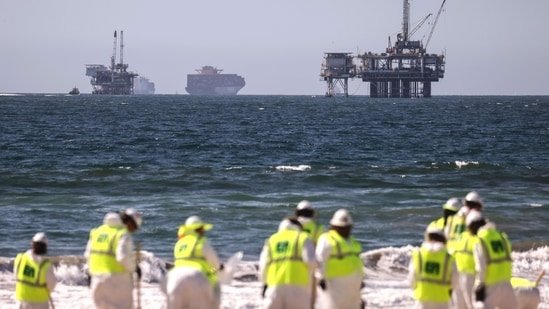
{"points": [[209, 81], [142, 85]]}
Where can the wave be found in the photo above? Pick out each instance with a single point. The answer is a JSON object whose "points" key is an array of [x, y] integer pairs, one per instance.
{"points": [[389, 263]]}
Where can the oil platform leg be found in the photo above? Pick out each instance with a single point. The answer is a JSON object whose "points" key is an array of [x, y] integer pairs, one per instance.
{"points": [[395, 88], [373, 90], [427, 89], [406, 89]]}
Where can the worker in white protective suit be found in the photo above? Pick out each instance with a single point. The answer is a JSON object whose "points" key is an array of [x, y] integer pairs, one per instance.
{"points": [[340, 271], [450, 208], [432, 272], [493, 264], [286, 266], [306, 214], [34, 275], [192, 282], [456, 225], [111, 263]]}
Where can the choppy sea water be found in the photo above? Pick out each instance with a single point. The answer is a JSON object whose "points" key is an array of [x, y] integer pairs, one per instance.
{"points": [[244, 162]]}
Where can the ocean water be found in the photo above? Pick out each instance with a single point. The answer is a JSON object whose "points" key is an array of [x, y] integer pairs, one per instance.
{"points": [[244, 162]]}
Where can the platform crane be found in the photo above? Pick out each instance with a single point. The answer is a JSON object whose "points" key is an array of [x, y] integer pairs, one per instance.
{"points": [[434, 24]]}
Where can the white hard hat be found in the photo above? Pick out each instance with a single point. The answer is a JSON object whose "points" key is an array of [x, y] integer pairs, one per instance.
{"points": [[432, 229], [474, 197], [473, 216], [194, 222], [287, 223], [112, 219], [136, 216], [40, 237], [341, 218], [304, 205], [452, 204]]}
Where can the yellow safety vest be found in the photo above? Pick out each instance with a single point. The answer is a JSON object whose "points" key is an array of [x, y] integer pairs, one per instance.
{"points": [[344, 257], [456, 227], [31, 279], [434, 273], [104, 241], [438, 223], [465, 260], [188, 252], [285, 261], [497, 250], [313, 229]]}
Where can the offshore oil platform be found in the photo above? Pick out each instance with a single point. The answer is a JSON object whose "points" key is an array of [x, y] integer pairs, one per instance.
{"points": [[113, 80], [404, 70]]}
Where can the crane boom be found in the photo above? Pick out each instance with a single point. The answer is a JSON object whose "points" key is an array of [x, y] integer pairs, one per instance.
{"points": [[434, 24], [416, 28]]}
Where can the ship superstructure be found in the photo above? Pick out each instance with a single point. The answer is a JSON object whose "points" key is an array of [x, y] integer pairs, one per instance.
{"points": [[143, 85], [113, 80], [210, 81]]}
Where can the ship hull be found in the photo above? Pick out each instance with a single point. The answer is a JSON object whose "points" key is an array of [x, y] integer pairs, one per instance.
{"points": [[217, 91], [210, 82]]}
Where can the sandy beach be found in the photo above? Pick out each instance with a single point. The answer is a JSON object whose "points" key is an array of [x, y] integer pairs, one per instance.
{"points": [[386, 286]]}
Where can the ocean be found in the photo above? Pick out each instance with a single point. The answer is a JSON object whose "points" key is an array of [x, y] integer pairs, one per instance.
{"points": [[243, 163]]}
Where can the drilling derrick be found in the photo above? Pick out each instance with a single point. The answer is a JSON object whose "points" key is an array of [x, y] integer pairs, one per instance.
{"points": [[405, 70], [114, 80]]}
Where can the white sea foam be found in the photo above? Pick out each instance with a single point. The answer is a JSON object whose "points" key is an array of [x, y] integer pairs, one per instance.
{"points": [[385, 282], [461, 164], [293, 168]]}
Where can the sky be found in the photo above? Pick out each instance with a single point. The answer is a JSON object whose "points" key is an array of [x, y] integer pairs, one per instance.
{"points": [[492, 47]]}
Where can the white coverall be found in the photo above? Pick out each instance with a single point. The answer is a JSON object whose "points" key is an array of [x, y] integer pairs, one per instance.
{"points": [[50, 282], [115, 291], [341, 292], [187, 287], [433, 246], [287, 296], [466, 298], [499, 295]]}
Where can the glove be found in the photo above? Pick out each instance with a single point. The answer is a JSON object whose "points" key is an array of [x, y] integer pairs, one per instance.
{"points": [[480, 292], [263, 292], [88, 279], [322, 284], [138, 272]]}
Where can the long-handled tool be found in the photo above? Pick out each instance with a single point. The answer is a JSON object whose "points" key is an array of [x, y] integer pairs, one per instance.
{"points": [[137, 260], [538, 279]]}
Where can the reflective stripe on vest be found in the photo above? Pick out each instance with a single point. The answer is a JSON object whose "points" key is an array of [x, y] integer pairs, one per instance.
{"points": [[188, 252], [344, 258], [31, 279], [285, 261], [104, 241], [434, 273], [497, 250], [465, 261]]}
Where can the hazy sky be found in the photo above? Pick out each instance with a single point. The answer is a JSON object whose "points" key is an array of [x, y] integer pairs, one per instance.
{"points": [[492, 47]]}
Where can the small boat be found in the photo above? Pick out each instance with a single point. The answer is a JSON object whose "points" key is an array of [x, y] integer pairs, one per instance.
{"points": [[74, 91]]}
